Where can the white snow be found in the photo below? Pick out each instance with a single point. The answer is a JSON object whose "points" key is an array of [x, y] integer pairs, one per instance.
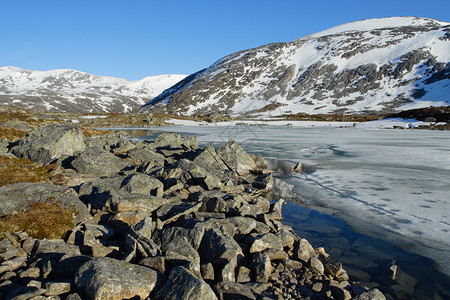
{"points": [[377, 23], [381, 45], [378, 124], [72, 84]]}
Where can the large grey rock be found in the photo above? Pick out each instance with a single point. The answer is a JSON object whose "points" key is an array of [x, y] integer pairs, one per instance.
{"points": [[193, 236], [55, 249], [182, 284], [262, 267], [305, 250], [146, 156], [19, 196], [123, 202], [236, 158], [47, 143], [374, 294], [219, 202], [97, 192], [233, 290], [143, 184], [265, 241], [168, 140], [211, 162], [216, 247], [99, 162], [106, 278], [316, 264]]}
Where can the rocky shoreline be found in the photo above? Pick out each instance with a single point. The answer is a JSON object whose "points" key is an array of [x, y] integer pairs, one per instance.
{"points": [[163, 220]]}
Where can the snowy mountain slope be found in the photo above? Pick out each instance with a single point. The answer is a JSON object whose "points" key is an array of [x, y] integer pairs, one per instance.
{"points": [[376, 65], [74, 91]]}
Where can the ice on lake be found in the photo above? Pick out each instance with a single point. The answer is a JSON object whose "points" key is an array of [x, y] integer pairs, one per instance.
{"points": [[393, 184]]}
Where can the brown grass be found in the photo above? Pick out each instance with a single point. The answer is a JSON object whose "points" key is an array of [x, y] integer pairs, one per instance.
{"points": [[41, 220], [14, 170], [11, 134], [89, 132]]}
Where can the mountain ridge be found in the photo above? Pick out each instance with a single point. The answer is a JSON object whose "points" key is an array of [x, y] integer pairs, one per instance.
{"points": [[374, 65], [69, 90]]}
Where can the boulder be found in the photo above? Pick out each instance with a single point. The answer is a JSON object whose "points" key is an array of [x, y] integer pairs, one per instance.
{"points": [[236, 158], [243, 274], [316, 264], [207, 271], [50, 142], [233, 290], [182, 284], [168, 140], [209, 161], [218, 248], [144, 156], [265, 241], [56, 249], [193, 236], [263, 182], [106, 278], [305, 250], [219, 202], [57, 288], [143, 184], [156, 262], [262, 267], [261, 164], [100, 162], [20, 196], [374, 294], [331, 267]]}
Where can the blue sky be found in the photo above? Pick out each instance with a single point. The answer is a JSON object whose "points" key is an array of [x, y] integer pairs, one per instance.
{"points": [[136, 38]]}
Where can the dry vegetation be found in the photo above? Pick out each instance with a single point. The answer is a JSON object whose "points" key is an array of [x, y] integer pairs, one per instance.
{"points": [[41, 220], [14, 170], [11, 134]]}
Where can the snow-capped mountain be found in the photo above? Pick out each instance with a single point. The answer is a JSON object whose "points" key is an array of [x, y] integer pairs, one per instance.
{"points": [[375, 65], [74, 91]]}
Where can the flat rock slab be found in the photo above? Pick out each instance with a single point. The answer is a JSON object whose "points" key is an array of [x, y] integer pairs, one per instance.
{"points": [[107, 278], [20, 196]]}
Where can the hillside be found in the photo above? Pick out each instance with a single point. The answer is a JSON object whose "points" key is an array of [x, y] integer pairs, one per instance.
{"points": [[74, 91], [371, 66]]}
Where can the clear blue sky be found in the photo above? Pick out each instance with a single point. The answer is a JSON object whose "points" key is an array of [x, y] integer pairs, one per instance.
{"points": [[135, 38]]}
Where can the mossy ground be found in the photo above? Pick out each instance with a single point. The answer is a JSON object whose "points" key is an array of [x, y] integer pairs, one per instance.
{"points": [[14, 170], [41, 220]]}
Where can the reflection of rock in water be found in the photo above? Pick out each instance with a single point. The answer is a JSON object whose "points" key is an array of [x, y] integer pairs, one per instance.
{"points": [[280, 167], [284, 190], [286, 168]]}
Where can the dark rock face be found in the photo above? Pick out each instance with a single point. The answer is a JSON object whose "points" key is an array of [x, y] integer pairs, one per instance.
{"points": [[337, 71]]}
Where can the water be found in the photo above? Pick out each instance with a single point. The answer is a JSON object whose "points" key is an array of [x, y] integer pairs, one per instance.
{"points": [[390, 185]]}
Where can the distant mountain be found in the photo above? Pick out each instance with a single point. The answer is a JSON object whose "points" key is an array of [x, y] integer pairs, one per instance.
{"points": [[376, 65], [74, 91]]}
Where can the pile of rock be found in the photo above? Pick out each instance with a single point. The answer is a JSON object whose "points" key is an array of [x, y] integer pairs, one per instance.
{"points": [[166, 220]]}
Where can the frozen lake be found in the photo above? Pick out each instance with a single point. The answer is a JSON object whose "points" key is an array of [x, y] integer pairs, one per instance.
{"points": [[389, 184], [394, 184]]}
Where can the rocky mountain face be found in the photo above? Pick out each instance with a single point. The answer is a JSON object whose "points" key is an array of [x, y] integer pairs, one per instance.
{"points": [[74, 91], [376, 65]]}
